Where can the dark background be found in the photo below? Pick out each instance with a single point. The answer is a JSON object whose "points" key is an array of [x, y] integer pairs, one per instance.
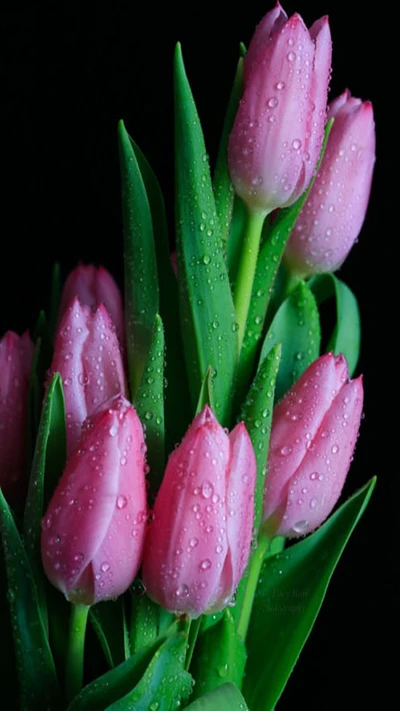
{"points": [[68, 76]]}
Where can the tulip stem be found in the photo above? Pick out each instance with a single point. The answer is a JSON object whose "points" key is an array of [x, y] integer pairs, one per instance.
{"points": [[251, 584], [247, 268], [192, 638], [75, 651]]}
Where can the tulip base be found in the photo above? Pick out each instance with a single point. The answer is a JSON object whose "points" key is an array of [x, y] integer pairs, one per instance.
{"points": [[76, 648]]}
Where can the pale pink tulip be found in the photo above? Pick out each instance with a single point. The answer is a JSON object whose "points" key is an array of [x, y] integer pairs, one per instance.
{"points": [[198, 542], [94, 527], [314, 431], [278, 131], [334, 212], [88, 357], [16, 354], [94, 286]]}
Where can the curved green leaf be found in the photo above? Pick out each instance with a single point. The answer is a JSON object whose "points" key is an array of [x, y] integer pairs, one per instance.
{"points": [[296, 327], [115, 683], [164, 684], [220, 656], [207, 311], [224, 698], [38, 685], [346, 335], [290, 591], [174, 365], [48, 464], [149, 403], [141, 283], [257, 416]]}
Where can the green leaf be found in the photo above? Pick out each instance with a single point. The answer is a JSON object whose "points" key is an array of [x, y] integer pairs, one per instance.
{"points": [[206, 396], [346, 335], [115, 683], [257, 416], [220, 656], [224, 698], [164, 684], [270, 256], [141, 283], [149, 404], [207, 311], [38, 686], [107, 620], [296, 327], [143, 628], [223, 188], [47, 466], [291, 588], [174, 366]]}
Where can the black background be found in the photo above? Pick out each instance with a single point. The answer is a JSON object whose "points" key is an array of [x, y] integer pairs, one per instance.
{"points": [[68, 76]]}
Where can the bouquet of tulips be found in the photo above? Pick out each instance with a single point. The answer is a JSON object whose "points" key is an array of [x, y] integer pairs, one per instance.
{"points": [[170, 465]]}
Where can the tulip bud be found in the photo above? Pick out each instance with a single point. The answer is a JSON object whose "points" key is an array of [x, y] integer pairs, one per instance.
{"points": [[313, 435], [88, 357], [16, 354], [278, 131], [334, 212], [198, 542], [94, 527], [94, 286]]}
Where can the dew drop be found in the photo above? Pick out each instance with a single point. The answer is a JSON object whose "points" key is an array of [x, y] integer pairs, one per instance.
{"points": [[104, 567], [300, 526], [182, 591], [207, 489], [205, 564], [121, 502]]}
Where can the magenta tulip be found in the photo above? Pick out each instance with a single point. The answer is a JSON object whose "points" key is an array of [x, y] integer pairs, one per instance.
{"points": [[278, 131], [94, 527], [88, 357], [198, 543], [334, 212], [16, 354], [314, 431], [94, 286]]}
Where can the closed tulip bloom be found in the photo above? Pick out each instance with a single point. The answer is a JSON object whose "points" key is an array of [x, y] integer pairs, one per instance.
{"points": [[334, 212], [314, 431], [278, 131], [94, 286], [94, 527], [198, 542], [16, 354], [88, 357]]}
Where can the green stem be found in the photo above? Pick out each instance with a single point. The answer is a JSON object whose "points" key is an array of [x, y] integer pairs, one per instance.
{"points": [[193, 634], [251, 584], [247, 267], [75, 651]]}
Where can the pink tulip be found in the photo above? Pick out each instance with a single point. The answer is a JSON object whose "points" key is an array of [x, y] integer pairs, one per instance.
{"points": [[314, 431], [94, 286], [16, 354], [198, 543], [88, 357], [94, 527], [332, 217], [278, 131]]}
